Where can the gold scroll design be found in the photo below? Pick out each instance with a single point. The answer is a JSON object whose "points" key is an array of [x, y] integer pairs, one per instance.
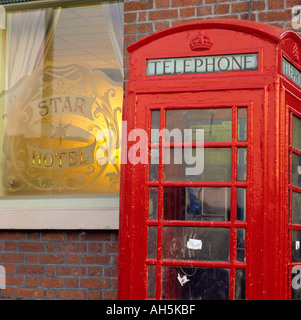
{"points": [[62, 86]]}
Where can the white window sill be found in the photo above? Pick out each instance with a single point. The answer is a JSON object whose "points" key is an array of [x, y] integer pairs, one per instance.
{"points": [[62, 214]]}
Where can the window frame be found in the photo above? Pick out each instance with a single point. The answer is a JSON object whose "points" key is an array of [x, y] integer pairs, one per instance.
{"points": [[71, 213]]}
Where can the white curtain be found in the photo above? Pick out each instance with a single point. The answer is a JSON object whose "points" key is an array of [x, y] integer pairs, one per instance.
{"points": [[114, 18], [28, 35]]}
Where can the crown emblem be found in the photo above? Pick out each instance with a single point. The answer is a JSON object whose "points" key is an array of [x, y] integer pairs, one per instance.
{"points": [[201, 42]]}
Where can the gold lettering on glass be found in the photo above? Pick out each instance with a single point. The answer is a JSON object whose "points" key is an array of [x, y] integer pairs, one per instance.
{"points": [[62, 132]]}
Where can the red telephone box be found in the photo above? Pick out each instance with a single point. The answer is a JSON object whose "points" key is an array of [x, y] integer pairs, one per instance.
{"points": [[226, 225]]}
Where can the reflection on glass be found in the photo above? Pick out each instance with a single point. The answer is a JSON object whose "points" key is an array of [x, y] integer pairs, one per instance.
{"points": [[240, 240], [151, 276], [241, 164], [296, 207], [242, 124], [216, 123], [241, 204], [197, 203], [194, 243], [152, 242], [62, 134], [216, 165], [155, 127], [296, 132], [154, 164], [296, 246], [240, 284], [153, 204], [194, 283], [296, 170]]}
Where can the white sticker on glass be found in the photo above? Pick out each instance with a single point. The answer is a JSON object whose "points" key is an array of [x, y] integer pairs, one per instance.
{"points": [[194, 244]]}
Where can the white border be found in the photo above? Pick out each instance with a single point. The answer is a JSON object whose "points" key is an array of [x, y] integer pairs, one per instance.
{"points": [[60, 219]]}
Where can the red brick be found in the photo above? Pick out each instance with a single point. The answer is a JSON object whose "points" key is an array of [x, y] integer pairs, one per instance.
{"points": [[53, 236], [162, 3], [204, 11], [32, 246], [71, 247], [32, 281], [70, 294], [110, 295], [50, 270], [11, 257], [95, 283], [32, 258], [161, 25], [14, 281], [71, 271], [115, 260], [96, 236], [140, 5], [50, 282], [130, 29], [258, 6], [111, 247], [114, 284], [115, 236], [291, 3], [52, 258], [12, 235], [187, 12], [95, 259], [10, 246], [241, 7], [31, 269], [9, 268], [95, 271], [130, 17], [184, 3], [95, 295], [95, 247], [74, 236], [222, 9], [142, 16], [8, 292], [111, 271], [72, 258], [129, 39], [32, 236], [30, 293], [50, 294], [144, 27], [274, 16], [163, 14], [51, 247], [71, 282], [275, 4]]}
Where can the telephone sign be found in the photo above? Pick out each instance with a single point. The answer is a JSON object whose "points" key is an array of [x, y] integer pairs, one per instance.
{"points": [[206, 64]]}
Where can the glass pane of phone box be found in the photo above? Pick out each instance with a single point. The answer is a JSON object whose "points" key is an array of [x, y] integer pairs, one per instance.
{"points": [[197, 203]]}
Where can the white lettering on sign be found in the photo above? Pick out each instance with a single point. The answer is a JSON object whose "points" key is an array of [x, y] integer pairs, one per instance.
{"points": [[206, 64], [291, 72]]}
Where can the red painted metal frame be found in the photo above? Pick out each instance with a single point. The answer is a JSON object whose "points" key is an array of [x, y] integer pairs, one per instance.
{"points": [[269, 97]]}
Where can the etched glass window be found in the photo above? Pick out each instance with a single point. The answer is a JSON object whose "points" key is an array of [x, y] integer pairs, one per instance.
{"points": [[62, 101]]}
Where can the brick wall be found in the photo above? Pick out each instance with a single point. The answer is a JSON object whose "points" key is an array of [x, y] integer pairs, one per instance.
{"points": [[59, 265], [143, 17]]}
